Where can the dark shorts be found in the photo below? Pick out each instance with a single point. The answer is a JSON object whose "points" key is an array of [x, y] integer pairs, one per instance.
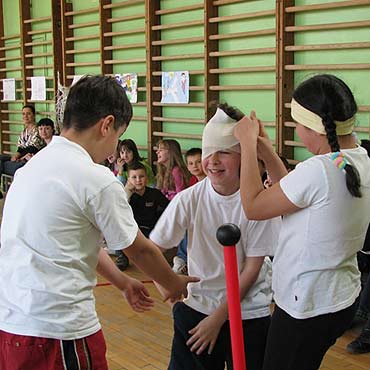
{"points": [[19, 352]]}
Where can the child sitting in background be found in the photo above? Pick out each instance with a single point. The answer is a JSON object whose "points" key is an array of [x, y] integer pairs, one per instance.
{"points": [[147, 204], [172, 174], [193, 158], [111, 161], [127, 155]]}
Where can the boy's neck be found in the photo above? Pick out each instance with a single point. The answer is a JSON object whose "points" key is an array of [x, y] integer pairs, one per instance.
{"points": [[141, 192], [201, 177]]}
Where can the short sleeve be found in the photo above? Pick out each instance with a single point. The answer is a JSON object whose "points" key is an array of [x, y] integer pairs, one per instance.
{"points": [[110, 211], [307, 184], [172, 225]]}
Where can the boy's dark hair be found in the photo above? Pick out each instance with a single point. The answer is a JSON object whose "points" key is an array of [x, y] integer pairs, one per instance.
{"points": [[93, 98], [332, 100], [136, 166], [193, 151], [232, 112], [29, 106]]}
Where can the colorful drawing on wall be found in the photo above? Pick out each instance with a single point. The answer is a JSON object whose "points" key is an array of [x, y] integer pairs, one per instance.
{"points": [[9, 89], [175, 87], [128, 81]]}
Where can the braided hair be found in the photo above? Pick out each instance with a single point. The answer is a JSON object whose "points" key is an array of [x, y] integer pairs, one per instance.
{"points": [[332, 100]]}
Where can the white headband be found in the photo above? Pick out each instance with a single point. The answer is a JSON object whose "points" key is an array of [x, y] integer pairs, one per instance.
{"points": [[314, 122], [218, 134]]}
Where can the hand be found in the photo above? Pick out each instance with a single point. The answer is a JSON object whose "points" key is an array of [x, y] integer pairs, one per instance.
{"points": [[247, 128], [137, 296], [180, 289], [129, 187], [205, 335], [120, 162], [27, 157]]}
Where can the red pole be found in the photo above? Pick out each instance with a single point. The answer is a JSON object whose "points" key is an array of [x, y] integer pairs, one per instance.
{"points": [[228, 235]]}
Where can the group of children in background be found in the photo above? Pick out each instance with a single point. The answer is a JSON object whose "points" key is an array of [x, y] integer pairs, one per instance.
{"points": [[148, 194]]}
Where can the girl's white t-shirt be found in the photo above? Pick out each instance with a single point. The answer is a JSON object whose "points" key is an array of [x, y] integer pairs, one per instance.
{"points": [[315, 268]]}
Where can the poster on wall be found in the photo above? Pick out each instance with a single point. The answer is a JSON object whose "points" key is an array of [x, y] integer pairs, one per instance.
{"points": [[175, 87], [38, 88], [128, 81], [8, 89]]}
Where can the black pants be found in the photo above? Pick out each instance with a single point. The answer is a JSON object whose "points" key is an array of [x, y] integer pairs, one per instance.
{"points": [[185, 318], [294, 344]]}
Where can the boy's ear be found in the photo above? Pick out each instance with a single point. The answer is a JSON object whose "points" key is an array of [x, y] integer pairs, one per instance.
{"points": [[107, 124]]}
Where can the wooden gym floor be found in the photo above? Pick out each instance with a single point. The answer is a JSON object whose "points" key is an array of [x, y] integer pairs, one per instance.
{"points": [[143, 341]]}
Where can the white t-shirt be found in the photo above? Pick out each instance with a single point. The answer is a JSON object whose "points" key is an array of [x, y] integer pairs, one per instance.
{"points": [[315, 269], [54, 211], [201, 210]]}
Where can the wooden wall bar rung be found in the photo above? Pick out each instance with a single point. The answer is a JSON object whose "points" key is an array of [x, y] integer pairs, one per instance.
{"points": [[361, 129], [126, 47], [229, 18], [35, 20], [139, 118], [48, 114], [5, 59], [193, 72], [177, 25], [10, 69], [139, 74], [364, 108], [242, 52], [13, 122], [84, 25], [125, 61], [123, 4], [13, 101], [242, 87], [159, 104], [179, 57], [47, 89], [48, 78], [243, 69], [39, 55], [179, 136], [39, 66], [10, 47], [338, 46], [228, 2], [333, 5], [82, 64], [270, 31], [294, 143], [38, 32], [83, 38], [82, 51], [83, 11], [177, 41], [12, 111], [139, 104], [326, 67], [41, 101], [122, 33], [178, 120], [126, 18], [10, 37], [38, 43], [328, 26], [179, 9], [10, 132]]}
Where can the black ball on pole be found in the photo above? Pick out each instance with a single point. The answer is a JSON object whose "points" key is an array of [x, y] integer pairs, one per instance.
{"points": [[228, 234]]}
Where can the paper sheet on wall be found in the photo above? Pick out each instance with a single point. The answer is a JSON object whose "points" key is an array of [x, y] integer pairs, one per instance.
{"points": [[38, 88], [128, 81], [8, 89], [175, 87]]}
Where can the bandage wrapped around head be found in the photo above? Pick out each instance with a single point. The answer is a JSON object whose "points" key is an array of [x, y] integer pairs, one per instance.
{"points": [[218, 135]]}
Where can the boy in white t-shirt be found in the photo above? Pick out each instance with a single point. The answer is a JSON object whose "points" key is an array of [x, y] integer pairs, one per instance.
{"points": [[201, 330], [55, 211]]}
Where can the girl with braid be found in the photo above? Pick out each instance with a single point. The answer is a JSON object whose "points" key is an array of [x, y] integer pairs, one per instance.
{"points": [[325, 202]]}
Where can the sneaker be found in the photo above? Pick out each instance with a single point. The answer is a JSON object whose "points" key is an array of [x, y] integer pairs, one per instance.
{"points": [[179, 266], [361, 344], [122, 262]]}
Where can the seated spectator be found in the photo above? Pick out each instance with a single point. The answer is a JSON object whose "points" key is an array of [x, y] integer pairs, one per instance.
{"points": [[147, 204]]}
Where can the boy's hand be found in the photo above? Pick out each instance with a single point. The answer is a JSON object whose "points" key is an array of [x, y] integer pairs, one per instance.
{"points": [[205, 334], [137, 296], [180, 289]]}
